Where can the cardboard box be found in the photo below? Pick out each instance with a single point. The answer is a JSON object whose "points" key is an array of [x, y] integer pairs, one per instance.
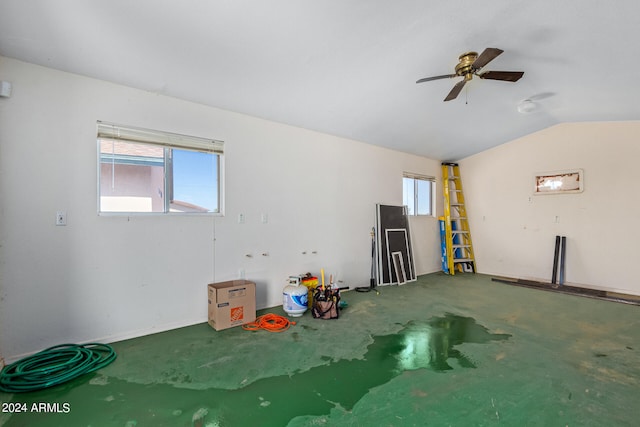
{"points": [[231, 303]]}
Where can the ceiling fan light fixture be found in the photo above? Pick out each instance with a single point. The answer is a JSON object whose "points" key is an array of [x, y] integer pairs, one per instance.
{"points": [[527, 106]]}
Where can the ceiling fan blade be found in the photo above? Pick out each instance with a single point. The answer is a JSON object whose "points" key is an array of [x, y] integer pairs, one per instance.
{"points": [[509, 76], [456, 90], [488, 55], [428, 79]]}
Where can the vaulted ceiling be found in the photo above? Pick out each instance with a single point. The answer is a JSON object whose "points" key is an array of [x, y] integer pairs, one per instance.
{"points": [[349, 67]]}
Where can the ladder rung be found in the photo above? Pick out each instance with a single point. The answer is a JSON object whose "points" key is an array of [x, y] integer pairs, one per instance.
{"points": [[460, 246], [463, 260], [459, 231]]}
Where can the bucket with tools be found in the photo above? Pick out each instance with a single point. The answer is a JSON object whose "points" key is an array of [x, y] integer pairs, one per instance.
{"points": [[326, 303]]}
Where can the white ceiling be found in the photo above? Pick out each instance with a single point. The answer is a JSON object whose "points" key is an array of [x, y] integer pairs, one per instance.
{"points": [[349, 67]]}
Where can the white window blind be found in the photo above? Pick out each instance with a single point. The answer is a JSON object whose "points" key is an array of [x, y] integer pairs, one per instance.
{"points": [[418, 176], [146, 136]]}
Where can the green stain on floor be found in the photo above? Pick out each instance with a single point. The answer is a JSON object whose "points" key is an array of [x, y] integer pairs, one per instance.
{"points": [[432, 344], [276, 400], [471, 353]]}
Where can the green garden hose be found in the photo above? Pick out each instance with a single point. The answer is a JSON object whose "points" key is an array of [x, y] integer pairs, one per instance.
{"points": [[54, 366]]}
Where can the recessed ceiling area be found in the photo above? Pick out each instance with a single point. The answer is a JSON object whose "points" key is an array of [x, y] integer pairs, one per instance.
{"points": [[349, 68]]}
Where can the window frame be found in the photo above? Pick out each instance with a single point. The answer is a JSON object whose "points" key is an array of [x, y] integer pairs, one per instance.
{"points": [[168, 141], [432, 200]]}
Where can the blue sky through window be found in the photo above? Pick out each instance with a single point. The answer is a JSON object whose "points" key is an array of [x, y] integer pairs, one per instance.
{"points": [[195, 177]]}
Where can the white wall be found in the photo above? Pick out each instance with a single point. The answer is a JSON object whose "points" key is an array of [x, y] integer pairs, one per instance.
{"points": [[103, 278], [514, 231]]}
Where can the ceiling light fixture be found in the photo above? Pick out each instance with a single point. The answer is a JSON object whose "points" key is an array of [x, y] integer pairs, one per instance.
{"points": [[5, 89], [527, 106]]}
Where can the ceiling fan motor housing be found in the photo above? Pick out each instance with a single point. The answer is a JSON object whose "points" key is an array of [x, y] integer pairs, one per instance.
{"points": [[465, 66]]}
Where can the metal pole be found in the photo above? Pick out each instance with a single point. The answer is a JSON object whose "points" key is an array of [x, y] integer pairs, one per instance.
{"points": [[563, 248], [555, 261]]}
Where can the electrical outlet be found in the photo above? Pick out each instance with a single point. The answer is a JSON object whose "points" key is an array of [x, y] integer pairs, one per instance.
{"points": [[61, 218], [265, 218], [241, 219]]}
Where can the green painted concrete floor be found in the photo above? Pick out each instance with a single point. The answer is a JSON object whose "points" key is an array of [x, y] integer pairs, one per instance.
{"points": [[442, 351]]}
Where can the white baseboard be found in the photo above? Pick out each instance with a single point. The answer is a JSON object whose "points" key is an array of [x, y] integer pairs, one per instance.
{"points": [[109, 339]]}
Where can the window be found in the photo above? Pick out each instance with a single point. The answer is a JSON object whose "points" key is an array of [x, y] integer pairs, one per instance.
{"points": [[148, 171], [417, 194]]}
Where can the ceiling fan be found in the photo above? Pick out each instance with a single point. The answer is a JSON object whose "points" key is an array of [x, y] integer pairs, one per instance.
{"points": [[469, 65]]}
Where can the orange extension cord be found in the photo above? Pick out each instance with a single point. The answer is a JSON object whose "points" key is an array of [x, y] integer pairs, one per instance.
{"points": [[269, 322]]}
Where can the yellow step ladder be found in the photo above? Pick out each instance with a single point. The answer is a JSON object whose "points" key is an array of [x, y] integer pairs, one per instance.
{"points": [[459, 249]]}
